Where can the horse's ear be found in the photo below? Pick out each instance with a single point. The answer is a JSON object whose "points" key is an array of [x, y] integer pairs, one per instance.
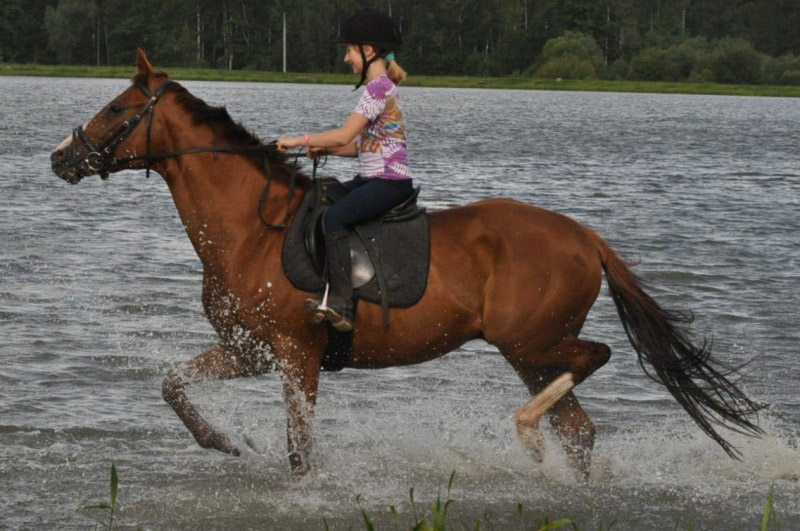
{"points": [[142, 63]]}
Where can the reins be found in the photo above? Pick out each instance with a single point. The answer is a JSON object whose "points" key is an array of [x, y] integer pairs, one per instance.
{"points": [[100, 158]]}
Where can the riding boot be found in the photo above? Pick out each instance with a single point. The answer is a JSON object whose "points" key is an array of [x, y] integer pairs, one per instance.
{"points": [[338, 308]]}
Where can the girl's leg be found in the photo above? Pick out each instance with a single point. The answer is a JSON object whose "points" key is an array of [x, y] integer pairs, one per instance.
{"points": [[370, 199], [353, 183], [373, 198]]}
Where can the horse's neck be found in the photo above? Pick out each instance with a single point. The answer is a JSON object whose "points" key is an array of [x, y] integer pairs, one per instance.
{"points": [[217, 198]]}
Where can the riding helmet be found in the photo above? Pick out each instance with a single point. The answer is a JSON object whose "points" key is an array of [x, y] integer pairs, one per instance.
{"points": [[372, 27]]}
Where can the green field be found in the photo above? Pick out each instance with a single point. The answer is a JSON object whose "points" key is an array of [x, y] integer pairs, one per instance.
{"points": [[513, 82]]}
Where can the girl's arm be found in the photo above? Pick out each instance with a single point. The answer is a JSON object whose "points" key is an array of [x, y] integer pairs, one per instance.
{"points": [[350, 150], [335, 139]]}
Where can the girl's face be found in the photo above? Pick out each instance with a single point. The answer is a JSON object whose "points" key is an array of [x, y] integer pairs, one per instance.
{"points": [[352, 56]]}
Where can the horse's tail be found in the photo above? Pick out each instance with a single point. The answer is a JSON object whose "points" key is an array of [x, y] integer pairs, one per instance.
{"points": [[698, 381]]}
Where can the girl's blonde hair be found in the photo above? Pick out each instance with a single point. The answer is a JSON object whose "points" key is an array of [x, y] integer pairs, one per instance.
{"points": [[395, 72]]}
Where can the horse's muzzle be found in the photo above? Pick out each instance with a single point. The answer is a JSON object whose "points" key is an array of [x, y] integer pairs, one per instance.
{"points": [[68, 166]]}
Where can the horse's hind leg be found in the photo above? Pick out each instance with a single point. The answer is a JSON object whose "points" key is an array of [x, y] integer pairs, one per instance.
{"points": [[550, 378], [215, 364]]}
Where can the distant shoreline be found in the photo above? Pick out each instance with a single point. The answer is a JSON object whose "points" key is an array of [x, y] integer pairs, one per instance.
{"points": [[514, 82]]}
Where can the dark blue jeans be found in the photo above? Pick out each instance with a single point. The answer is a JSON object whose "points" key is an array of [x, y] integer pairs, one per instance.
{"points": [[367, 199]]}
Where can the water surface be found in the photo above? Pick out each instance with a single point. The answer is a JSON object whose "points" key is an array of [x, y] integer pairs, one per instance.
{"points": [[100, 297]]}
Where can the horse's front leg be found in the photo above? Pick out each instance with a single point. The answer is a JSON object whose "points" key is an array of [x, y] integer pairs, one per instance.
{"points": [[300, 383], [215, 364]]}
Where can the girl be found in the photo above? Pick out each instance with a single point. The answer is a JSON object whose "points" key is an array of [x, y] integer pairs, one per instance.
{"points": [[375, 132]]}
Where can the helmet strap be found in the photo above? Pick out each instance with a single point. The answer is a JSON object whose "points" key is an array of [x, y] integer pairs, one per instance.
{"points": [[366, 64]]}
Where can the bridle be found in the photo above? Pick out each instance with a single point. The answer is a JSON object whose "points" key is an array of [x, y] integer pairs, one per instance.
{"points": [[100, 158]]}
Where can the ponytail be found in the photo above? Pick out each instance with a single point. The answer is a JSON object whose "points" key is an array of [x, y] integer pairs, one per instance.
{"points": [[393, 70]]}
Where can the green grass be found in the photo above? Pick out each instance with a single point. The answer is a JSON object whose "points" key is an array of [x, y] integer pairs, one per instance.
{"points": [[110, 506], [512, 82], [434, 518]]}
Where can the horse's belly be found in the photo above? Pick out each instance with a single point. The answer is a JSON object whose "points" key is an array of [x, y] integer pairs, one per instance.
{"points": [[408, 339], [379, 358]]}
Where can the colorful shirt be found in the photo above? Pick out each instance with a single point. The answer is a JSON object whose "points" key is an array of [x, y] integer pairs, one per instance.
{"points": [[382, 143]]}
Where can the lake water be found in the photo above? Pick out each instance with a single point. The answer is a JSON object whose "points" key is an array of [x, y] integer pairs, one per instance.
{"points": [[100, 297]]}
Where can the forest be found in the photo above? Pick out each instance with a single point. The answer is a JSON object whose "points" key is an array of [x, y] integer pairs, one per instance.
{"points": [[726, 41]]}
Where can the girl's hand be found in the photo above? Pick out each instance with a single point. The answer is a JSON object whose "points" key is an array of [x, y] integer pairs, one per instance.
{"points": [[286, 142]]}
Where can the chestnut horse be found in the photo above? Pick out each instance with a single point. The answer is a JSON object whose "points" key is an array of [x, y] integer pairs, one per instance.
{"points": [[520, 277]]}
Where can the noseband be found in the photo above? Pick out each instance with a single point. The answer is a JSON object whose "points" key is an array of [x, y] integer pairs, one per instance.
{"points": [[100, 158]]}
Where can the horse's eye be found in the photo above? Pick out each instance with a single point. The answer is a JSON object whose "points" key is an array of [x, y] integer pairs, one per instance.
{"points": [[116, 108]]}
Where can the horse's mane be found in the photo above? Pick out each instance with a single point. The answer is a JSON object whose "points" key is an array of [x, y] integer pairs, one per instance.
{"points": [[231, 131]]}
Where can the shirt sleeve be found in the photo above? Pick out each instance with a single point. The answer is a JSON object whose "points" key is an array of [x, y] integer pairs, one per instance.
{"points": [[372, 102]]}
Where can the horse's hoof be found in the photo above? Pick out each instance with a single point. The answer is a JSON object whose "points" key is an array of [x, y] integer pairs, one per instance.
{"points": [[580, 460], [219, 442], [300, 466], [532, 442], [226, 446]]}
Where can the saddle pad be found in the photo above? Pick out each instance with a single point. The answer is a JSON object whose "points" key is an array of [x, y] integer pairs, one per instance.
{"points": [[400, 252]]}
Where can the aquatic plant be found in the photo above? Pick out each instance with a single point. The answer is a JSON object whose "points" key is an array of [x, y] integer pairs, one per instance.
{"points": [[435, 518], [769, 514], [114, 483]]}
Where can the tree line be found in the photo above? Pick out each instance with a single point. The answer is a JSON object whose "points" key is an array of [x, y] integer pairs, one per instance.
{"points": [[751, 41]]}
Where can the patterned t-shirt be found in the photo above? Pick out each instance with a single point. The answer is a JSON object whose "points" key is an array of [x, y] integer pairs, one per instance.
{"points": [[382, 143]]}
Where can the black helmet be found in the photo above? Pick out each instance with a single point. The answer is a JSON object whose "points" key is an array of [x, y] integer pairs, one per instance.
{"points": [[371, 27]]}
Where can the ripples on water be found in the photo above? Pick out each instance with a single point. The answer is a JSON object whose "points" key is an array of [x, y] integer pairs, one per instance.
{"points": [[99, 296]]}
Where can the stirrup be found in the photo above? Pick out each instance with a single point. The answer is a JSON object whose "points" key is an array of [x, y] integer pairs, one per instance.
{"points": [[313, 307], [318, 308]]}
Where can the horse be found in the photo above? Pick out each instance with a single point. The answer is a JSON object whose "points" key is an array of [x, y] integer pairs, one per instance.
{"points": [[519, 277]]}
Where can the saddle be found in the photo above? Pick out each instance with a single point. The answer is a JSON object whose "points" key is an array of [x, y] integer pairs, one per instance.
{"points": [[390, 255]]}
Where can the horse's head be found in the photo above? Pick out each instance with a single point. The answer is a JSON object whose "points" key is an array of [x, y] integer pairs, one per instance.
{"points": [[119, 136]]}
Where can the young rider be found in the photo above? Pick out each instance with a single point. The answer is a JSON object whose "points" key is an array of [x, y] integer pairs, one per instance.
{"points": [[375, 133]]}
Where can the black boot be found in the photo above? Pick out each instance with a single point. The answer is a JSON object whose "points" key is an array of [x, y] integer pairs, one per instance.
{"points": [[339, 308]]}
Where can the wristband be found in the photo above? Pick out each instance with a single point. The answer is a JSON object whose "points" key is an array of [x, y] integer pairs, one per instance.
{"points": [[307, 140]]}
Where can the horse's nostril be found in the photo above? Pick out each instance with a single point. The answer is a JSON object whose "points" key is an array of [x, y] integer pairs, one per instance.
{"points": [[57, 155]]}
